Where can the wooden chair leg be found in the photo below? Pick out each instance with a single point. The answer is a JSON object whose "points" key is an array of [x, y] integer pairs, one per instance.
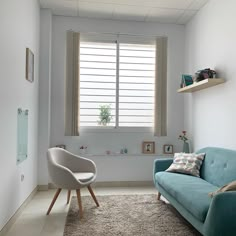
{"points": [[93, 195], [158, 196], [79, 203], [54, 200], [68, 196]]}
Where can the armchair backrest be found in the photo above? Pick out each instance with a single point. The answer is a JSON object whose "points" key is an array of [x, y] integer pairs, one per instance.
{"points": [[59, 174], [57, 155], [62, 164]]}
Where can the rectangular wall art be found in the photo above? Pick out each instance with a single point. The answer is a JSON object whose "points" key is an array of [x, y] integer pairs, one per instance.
{"points": [[29, 68]]}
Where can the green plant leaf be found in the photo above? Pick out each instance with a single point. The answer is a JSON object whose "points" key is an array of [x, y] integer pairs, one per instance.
{"points": [[104, 115]]}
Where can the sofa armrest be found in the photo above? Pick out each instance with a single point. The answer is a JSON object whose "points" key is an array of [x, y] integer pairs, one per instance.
{"points": [[161, 164], [221, 215]]}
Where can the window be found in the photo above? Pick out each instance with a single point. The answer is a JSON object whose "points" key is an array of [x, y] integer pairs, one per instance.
{"points": [[117, 78], [120, 76]]}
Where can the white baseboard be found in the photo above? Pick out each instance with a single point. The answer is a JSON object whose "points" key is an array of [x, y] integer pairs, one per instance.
{"points": [[13, 219], [124, 184], [107, 184], [43, 187]]}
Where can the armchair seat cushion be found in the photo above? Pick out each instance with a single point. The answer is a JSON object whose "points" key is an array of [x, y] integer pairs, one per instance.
{"points": [[190, 191], [84, 176]]}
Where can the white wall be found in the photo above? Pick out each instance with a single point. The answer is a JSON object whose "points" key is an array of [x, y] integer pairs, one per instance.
{"points": [[19, 24], [125, 167], [99, 142], [210, 42]]}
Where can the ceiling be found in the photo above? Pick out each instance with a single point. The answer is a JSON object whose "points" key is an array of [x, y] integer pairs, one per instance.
{"points": [[162, 11]]}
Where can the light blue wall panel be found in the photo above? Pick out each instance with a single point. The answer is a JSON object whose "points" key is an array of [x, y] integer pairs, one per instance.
{"points": [[22, 135]]}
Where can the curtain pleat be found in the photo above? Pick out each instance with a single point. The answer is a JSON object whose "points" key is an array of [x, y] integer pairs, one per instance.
{"points": [[72, 84], [160, 121]]}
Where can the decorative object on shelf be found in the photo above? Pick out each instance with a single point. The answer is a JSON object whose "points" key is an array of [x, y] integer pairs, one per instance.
{"points": [[204, 74], [108, 152], [83, 149], [148, 147], [22, 134], [125, 150], [63, 146], [29, 66], [186, 147], [184, 138], [168, 149], [105, 115], [186, 80]]}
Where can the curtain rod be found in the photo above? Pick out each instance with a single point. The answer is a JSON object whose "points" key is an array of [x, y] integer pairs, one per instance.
{"points": [[118, 33]]}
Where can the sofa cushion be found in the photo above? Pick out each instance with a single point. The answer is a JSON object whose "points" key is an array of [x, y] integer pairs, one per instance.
{"points": [[190, 191]]}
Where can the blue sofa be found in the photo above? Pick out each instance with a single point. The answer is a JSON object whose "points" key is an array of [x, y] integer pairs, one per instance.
{"points": [[189, 195]]}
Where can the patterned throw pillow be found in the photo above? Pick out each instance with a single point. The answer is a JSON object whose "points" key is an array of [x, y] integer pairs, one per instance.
{"points": [[187, 163], [228, 187]]}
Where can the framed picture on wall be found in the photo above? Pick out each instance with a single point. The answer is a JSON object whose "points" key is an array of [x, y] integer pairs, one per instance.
{"points": [[168, 149], [29, 66], [148, 147]]}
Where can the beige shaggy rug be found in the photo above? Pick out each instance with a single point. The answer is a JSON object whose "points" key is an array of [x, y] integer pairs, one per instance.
{"points": [[126, 215]]}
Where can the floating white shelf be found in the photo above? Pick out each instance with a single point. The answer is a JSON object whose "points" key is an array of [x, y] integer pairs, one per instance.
{"points": [[206, 83]]}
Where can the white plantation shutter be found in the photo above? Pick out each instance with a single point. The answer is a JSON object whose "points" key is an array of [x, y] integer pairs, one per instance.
{"points": [[97, 81], [136, 85]]}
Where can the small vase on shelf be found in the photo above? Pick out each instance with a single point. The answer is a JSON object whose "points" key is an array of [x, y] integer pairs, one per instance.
{"points": [[83, 150], [186, 147]]}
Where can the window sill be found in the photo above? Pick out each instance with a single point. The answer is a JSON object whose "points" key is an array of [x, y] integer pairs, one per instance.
{"points": [[128, 155], [116, 130]]}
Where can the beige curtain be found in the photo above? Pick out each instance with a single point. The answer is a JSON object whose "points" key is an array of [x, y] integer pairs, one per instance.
{"points": [[72, 84], [160, 123]]}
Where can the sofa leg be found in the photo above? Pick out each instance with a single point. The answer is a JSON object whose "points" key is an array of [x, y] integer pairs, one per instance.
{"points": [[158, 196]]}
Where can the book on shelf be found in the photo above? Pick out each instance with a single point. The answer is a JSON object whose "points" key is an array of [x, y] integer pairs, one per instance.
{"points": [[186, 80]]}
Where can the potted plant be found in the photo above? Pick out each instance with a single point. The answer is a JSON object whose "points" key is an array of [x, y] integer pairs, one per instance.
{"points": [[105, 115]]}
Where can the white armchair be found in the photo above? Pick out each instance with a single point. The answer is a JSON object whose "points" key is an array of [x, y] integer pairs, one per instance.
{"points": [[69, 171]]}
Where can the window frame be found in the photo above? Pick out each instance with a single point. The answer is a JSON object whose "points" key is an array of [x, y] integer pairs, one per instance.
{"points": [[72, 103], [117, 128]]}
